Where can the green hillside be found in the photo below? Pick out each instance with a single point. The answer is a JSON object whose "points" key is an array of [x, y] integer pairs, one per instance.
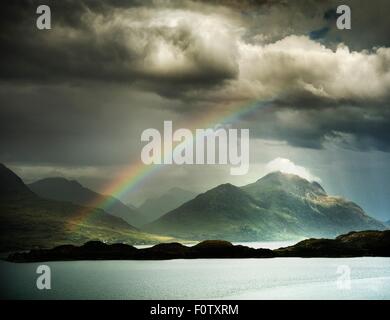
{"points": [[28, 221], [61, 189], [277, 206]]}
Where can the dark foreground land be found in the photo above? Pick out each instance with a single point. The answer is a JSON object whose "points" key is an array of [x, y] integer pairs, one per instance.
{"points": [[354, 244]]}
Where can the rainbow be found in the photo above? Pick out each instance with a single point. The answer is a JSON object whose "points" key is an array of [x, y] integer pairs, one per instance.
{"points": [[136, 173]]}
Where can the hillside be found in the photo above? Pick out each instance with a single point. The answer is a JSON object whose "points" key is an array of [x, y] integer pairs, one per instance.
{"points": [[154, 208], [28, 221], [61, 189], [307, 206], [277, 206]]}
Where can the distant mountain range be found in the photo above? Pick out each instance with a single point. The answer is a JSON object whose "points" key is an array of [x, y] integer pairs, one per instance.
{"points": [[154, 208], [277, 206], [29, 221], [61, 189]]}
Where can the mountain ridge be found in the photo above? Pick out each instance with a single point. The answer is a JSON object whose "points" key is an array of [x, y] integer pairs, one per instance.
{"points": [[276, 206], [62, 189], [154, 208], [28, 221], [12, 185]]}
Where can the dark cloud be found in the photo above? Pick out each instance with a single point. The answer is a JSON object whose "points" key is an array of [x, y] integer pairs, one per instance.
{"points": [[369, 24], [331, 15], [317, 125], [93, 41], [64, 91], [319, 34], [72, 126]]}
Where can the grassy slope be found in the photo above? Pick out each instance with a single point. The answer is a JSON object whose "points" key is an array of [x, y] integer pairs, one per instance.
{"points": [[276, 207], [28, 222], [225, 212], [61, 189]]}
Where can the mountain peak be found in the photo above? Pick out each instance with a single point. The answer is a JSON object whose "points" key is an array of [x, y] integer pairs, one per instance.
{"points": [[282, 176], [59, 181], [154, 208], [277, 206], [288, 182], [11, 184], [222, 196], [62, 189], [225, 186], [177, 189], [225, 190]]}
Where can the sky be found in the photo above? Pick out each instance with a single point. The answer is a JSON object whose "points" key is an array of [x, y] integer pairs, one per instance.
{"points": [[75, 99]]}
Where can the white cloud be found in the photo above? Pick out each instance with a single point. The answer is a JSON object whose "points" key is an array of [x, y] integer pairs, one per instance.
{"points": [[297, 65], [287, 166], [171, 43], [155, 45], [195, 45]]}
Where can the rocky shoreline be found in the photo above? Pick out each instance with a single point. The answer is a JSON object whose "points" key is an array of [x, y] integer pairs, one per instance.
{"points": [[353, 244]]}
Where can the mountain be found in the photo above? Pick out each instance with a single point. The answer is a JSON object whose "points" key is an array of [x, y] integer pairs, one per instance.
{"points": [[11, 185], [277, 206], [131, 206], [308, 207], [225, 212], [28, 221], [285, 183], [154, 208], [61, 189]]}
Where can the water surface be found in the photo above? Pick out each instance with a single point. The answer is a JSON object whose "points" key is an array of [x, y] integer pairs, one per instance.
{"points": [[278, 278]]}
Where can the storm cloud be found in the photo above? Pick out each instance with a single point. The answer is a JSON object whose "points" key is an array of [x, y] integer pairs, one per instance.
{"points": [[109, 69]]}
